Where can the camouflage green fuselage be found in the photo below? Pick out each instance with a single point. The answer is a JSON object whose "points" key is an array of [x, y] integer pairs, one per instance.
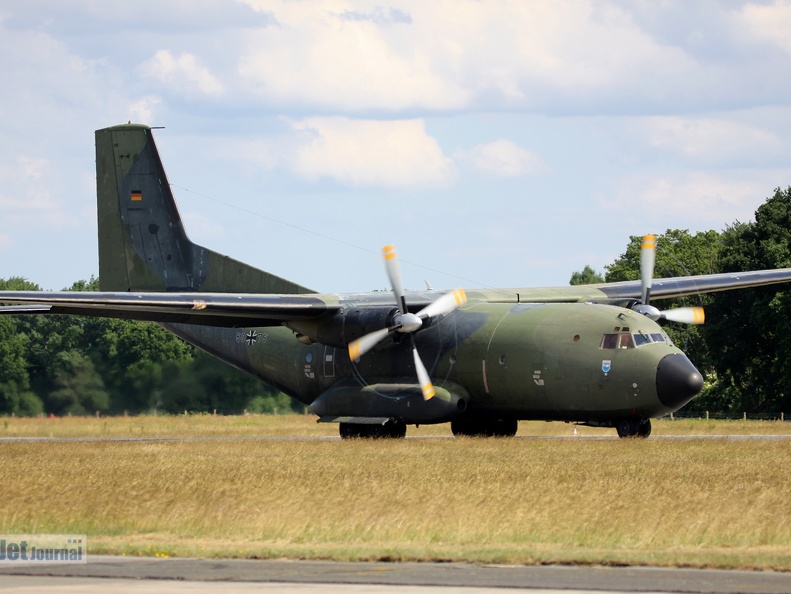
{"points": [[524, 361]]}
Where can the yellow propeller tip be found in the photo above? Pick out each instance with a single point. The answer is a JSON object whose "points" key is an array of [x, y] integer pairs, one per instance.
{"points": [[461, 297]]}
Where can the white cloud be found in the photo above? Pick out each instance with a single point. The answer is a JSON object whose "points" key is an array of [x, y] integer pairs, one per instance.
{"points": [[182, 73], [396, 153], [769, 23], [455, 54], [710, 140], [319, 55], [25, 186], [689, 197], [27, 195], [143, 109], [502, 158]]}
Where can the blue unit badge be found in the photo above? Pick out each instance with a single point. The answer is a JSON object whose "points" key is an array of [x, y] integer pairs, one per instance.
{"points": [[606, 366]]}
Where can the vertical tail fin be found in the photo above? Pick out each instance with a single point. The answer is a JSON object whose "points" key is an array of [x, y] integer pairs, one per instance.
{"points": [[142, 242]]}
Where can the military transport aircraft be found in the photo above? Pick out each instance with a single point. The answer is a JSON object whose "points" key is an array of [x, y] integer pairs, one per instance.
{"points": [[374, 362]]}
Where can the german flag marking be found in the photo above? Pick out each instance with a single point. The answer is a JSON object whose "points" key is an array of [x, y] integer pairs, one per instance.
{"points": [[136, 196]]}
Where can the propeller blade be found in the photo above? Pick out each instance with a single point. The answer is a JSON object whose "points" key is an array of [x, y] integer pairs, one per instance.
{"points": [[362, 345], [444, 305], [422, 375], [685, 315], [394, 274], [647, 260]]}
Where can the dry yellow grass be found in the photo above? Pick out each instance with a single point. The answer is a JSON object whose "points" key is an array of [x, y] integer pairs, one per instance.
{"points": [[305, 425], [693, 502]]}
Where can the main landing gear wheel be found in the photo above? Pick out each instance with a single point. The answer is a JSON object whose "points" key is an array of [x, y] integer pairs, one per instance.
{"points": [[633, 428], [390, 430], [467, 427]]}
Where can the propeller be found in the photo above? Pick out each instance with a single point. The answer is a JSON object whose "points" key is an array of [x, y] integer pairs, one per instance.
{"points": [[681, 315], [407, 323]]}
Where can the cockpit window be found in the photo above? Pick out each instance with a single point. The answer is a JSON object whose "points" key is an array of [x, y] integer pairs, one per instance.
{"points": [[617, 341], [625, 340]]}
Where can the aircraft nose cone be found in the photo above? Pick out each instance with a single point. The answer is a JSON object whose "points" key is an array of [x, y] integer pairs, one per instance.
{"points": [[677, 381]]}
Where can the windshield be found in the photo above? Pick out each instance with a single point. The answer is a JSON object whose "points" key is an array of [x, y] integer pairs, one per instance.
{"points": [[628, 340]]}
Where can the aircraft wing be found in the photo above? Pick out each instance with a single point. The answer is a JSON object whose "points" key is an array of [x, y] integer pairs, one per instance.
{"points": [[667, 288], [211, 309], [245, 309]]}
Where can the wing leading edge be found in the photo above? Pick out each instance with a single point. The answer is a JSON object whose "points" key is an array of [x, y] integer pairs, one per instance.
{"points": [[683, 286], [210, 309], [245, 309]]}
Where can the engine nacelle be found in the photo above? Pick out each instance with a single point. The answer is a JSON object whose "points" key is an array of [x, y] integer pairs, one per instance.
{"points": [[401, 401], [345, 326]]}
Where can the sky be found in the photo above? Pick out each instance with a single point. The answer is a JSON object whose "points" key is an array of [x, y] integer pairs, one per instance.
{"points": [[495, 143]]}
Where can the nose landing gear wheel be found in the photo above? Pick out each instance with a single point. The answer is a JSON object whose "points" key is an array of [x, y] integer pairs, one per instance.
{"points": [[633, 428]]}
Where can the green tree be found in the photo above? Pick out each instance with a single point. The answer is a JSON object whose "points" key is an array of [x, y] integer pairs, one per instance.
{"points": [[79, 390], [587, 276], [206, 384], [750, 333], [678, 253], [15, 395], [18, 283], [131, 357]]}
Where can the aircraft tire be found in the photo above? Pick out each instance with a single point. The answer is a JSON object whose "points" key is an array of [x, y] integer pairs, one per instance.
{"points": [[504, 427], [467, 427], [390, 430], [394, 430], [633, 428], [349, 430]]}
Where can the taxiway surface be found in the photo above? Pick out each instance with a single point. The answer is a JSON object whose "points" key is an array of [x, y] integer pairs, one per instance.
{"points": [[134, 574]]}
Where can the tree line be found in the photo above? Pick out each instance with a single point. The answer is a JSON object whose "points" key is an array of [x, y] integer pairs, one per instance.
{"points": [[81, 365], [742, 348]]}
